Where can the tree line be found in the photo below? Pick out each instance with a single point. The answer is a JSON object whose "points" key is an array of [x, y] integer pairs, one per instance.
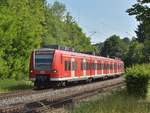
{"points": [[29, 24], [135, 50]]}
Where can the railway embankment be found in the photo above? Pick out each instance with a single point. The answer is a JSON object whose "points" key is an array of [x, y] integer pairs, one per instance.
{"points": [[28, 101]]}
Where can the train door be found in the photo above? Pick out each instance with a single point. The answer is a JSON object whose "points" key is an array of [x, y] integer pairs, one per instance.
{"points": [[92, 70], [111, 67], [88, 72], [108, 67], [78, 70], [115, 67], [84, 67], [98, 68], [73, 68], [67, 67], [95, 67], [105, 68], [102, 67]]}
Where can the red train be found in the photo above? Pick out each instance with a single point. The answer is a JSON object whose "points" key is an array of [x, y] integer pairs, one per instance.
{"points": [[57, 67]]}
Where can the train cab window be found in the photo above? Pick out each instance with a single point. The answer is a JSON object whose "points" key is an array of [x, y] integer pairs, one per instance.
{"points": [[43, 61], [67, 65]]}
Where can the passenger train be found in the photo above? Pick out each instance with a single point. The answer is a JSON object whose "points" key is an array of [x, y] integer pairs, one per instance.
{"points": [[57, 67]]}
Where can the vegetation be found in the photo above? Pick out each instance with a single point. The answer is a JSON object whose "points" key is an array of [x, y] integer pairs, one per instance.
{"points": [[119, 102], [12, 85], [137, 78], [137, 50], [29, 24], [114, 47]]}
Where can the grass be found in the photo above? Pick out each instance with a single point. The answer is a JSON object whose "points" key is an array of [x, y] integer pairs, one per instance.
{"points": [[118, 102], [13, 85]]}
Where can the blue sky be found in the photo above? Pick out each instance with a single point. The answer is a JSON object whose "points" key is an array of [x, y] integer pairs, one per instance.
{"points": [[105, 17]]}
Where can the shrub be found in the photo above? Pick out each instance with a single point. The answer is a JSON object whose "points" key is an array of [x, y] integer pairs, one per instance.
{"points": [[137, 78]]}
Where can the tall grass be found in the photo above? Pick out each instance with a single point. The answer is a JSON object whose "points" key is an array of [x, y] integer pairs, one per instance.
{"points": [[12, 85], [115, 103]]}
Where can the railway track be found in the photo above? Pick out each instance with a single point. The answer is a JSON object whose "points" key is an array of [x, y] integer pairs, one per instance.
{"points": [[42, 100], [22, 93]]}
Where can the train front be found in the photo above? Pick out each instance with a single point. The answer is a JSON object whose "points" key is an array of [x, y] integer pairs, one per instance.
{"points": [[40, 67]]}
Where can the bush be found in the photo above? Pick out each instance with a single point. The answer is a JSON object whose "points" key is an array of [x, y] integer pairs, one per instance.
{"points": [[137, 78]]}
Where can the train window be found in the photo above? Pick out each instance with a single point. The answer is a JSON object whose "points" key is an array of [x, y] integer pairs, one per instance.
{"points": [[67, 65], [43, 61], [83, 66], [105, 66], [74, 65], [115, 66], [101, 66], [98, 66], [111, 66], [93, 66], [87, 66]]}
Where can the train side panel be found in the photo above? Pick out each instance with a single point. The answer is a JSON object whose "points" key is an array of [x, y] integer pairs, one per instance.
{"points": [[66, 66]]}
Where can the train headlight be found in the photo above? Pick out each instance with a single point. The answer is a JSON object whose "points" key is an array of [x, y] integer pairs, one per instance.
{"points": [[54, 71]]}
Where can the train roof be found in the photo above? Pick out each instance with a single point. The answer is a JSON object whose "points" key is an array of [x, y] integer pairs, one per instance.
{"points": [[77, 54]]}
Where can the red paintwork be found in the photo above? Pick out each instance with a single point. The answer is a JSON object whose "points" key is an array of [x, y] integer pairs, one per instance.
{"points": [[58, 64]]}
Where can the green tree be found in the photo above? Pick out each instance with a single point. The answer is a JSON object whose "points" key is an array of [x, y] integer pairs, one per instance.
{"points": [[135, 54], [29, 24], [147, 50], [63, 30], [142, 12], [58, 9], [140, 32], [98, 48], [114, 47], [21, 31]]}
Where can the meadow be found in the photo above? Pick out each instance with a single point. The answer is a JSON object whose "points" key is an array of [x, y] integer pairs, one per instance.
{"points": [[13, 85], [117, 102]]}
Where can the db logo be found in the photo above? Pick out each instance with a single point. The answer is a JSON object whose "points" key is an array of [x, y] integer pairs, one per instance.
{"points": [[42, 72]]}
